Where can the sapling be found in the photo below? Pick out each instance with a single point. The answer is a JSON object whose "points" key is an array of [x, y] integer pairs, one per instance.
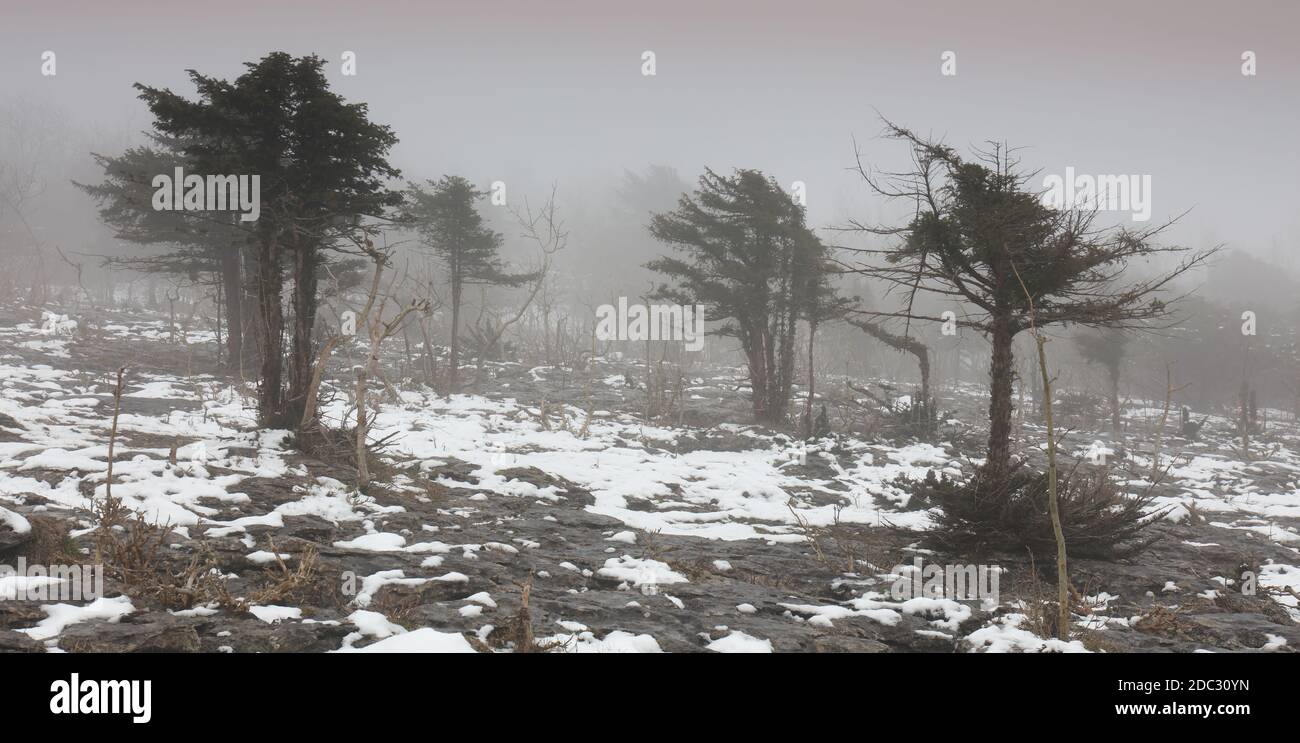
{"points": [[1053, 507]]}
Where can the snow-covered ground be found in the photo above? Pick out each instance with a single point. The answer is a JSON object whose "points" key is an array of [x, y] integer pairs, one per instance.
{"points": [[618, 527]]}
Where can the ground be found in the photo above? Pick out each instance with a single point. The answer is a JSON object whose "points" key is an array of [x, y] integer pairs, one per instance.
{"points": [[541, 512]]}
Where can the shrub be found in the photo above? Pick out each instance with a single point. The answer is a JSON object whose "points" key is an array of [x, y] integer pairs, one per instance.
{"points": [[1097, 519]]}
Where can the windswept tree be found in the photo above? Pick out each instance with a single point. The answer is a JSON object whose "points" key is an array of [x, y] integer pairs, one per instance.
{"points": [[983, 238], [748, 257], [444, 215], [907, 343], [323, 171], [190, 244], [1106, 348]]}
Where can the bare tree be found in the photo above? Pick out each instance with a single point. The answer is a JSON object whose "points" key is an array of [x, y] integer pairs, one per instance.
{"points": [[1053, 502], [546, 229], [377, 330], [30, 134]]}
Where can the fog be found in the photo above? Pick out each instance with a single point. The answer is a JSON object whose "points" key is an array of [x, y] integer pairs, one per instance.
{"points": [[531, 94], [578, 326]]}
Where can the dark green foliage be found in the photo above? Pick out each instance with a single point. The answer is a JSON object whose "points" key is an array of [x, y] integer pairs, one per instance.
{"points": [[323, 169], [125, 204], [444, 215], [1188, 428], [982, 234], [748, 257], [322, 162], [984, 517]]}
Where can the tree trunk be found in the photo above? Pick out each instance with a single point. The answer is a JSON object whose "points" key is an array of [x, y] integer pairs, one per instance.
{"points": [[430, 364], [1001, 369], [453, 362], [923, 360], [270, 396], [784, 381], [808, 405], [1114, 403], [769, 374], [232, 290], [304, 320], [1053, 504], [759, 373], [363, 468], [904, 343]]}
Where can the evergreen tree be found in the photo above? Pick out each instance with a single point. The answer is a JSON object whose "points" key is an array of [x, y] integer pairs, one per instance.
{"points": [[982, 235], [192, 244], [444, 215], [323, 168], [749, 258]]}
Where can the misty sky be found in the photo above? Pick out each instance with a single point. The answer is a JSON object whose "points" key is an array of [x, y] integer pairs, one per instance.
{"points": [[534, 92]]}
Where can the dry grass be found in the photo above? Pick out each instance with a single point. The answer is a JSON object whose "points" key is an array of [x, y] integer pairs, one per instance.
{"points": [[516, 632], [844, 547], [135, 554], [50, 543], [1159, 620]]}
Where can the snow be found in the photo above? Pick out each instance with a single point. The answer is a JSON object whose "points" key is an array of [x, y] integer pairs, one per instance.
{"points": [[380, 542], [641, 573], [1007, 636], [739, 642], [262, 557], [1286, 580], [617, 641], [482, 597], [374, 624], [728, 492], [59, 617], [423, 640], [16, 522], [275, 614], [13, 586], [633, 471]]}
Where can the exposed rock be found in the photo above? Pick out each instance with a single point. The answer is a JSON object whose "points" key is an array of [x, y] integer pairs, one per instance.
{"points": [[16, 642], [170, 635]]}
